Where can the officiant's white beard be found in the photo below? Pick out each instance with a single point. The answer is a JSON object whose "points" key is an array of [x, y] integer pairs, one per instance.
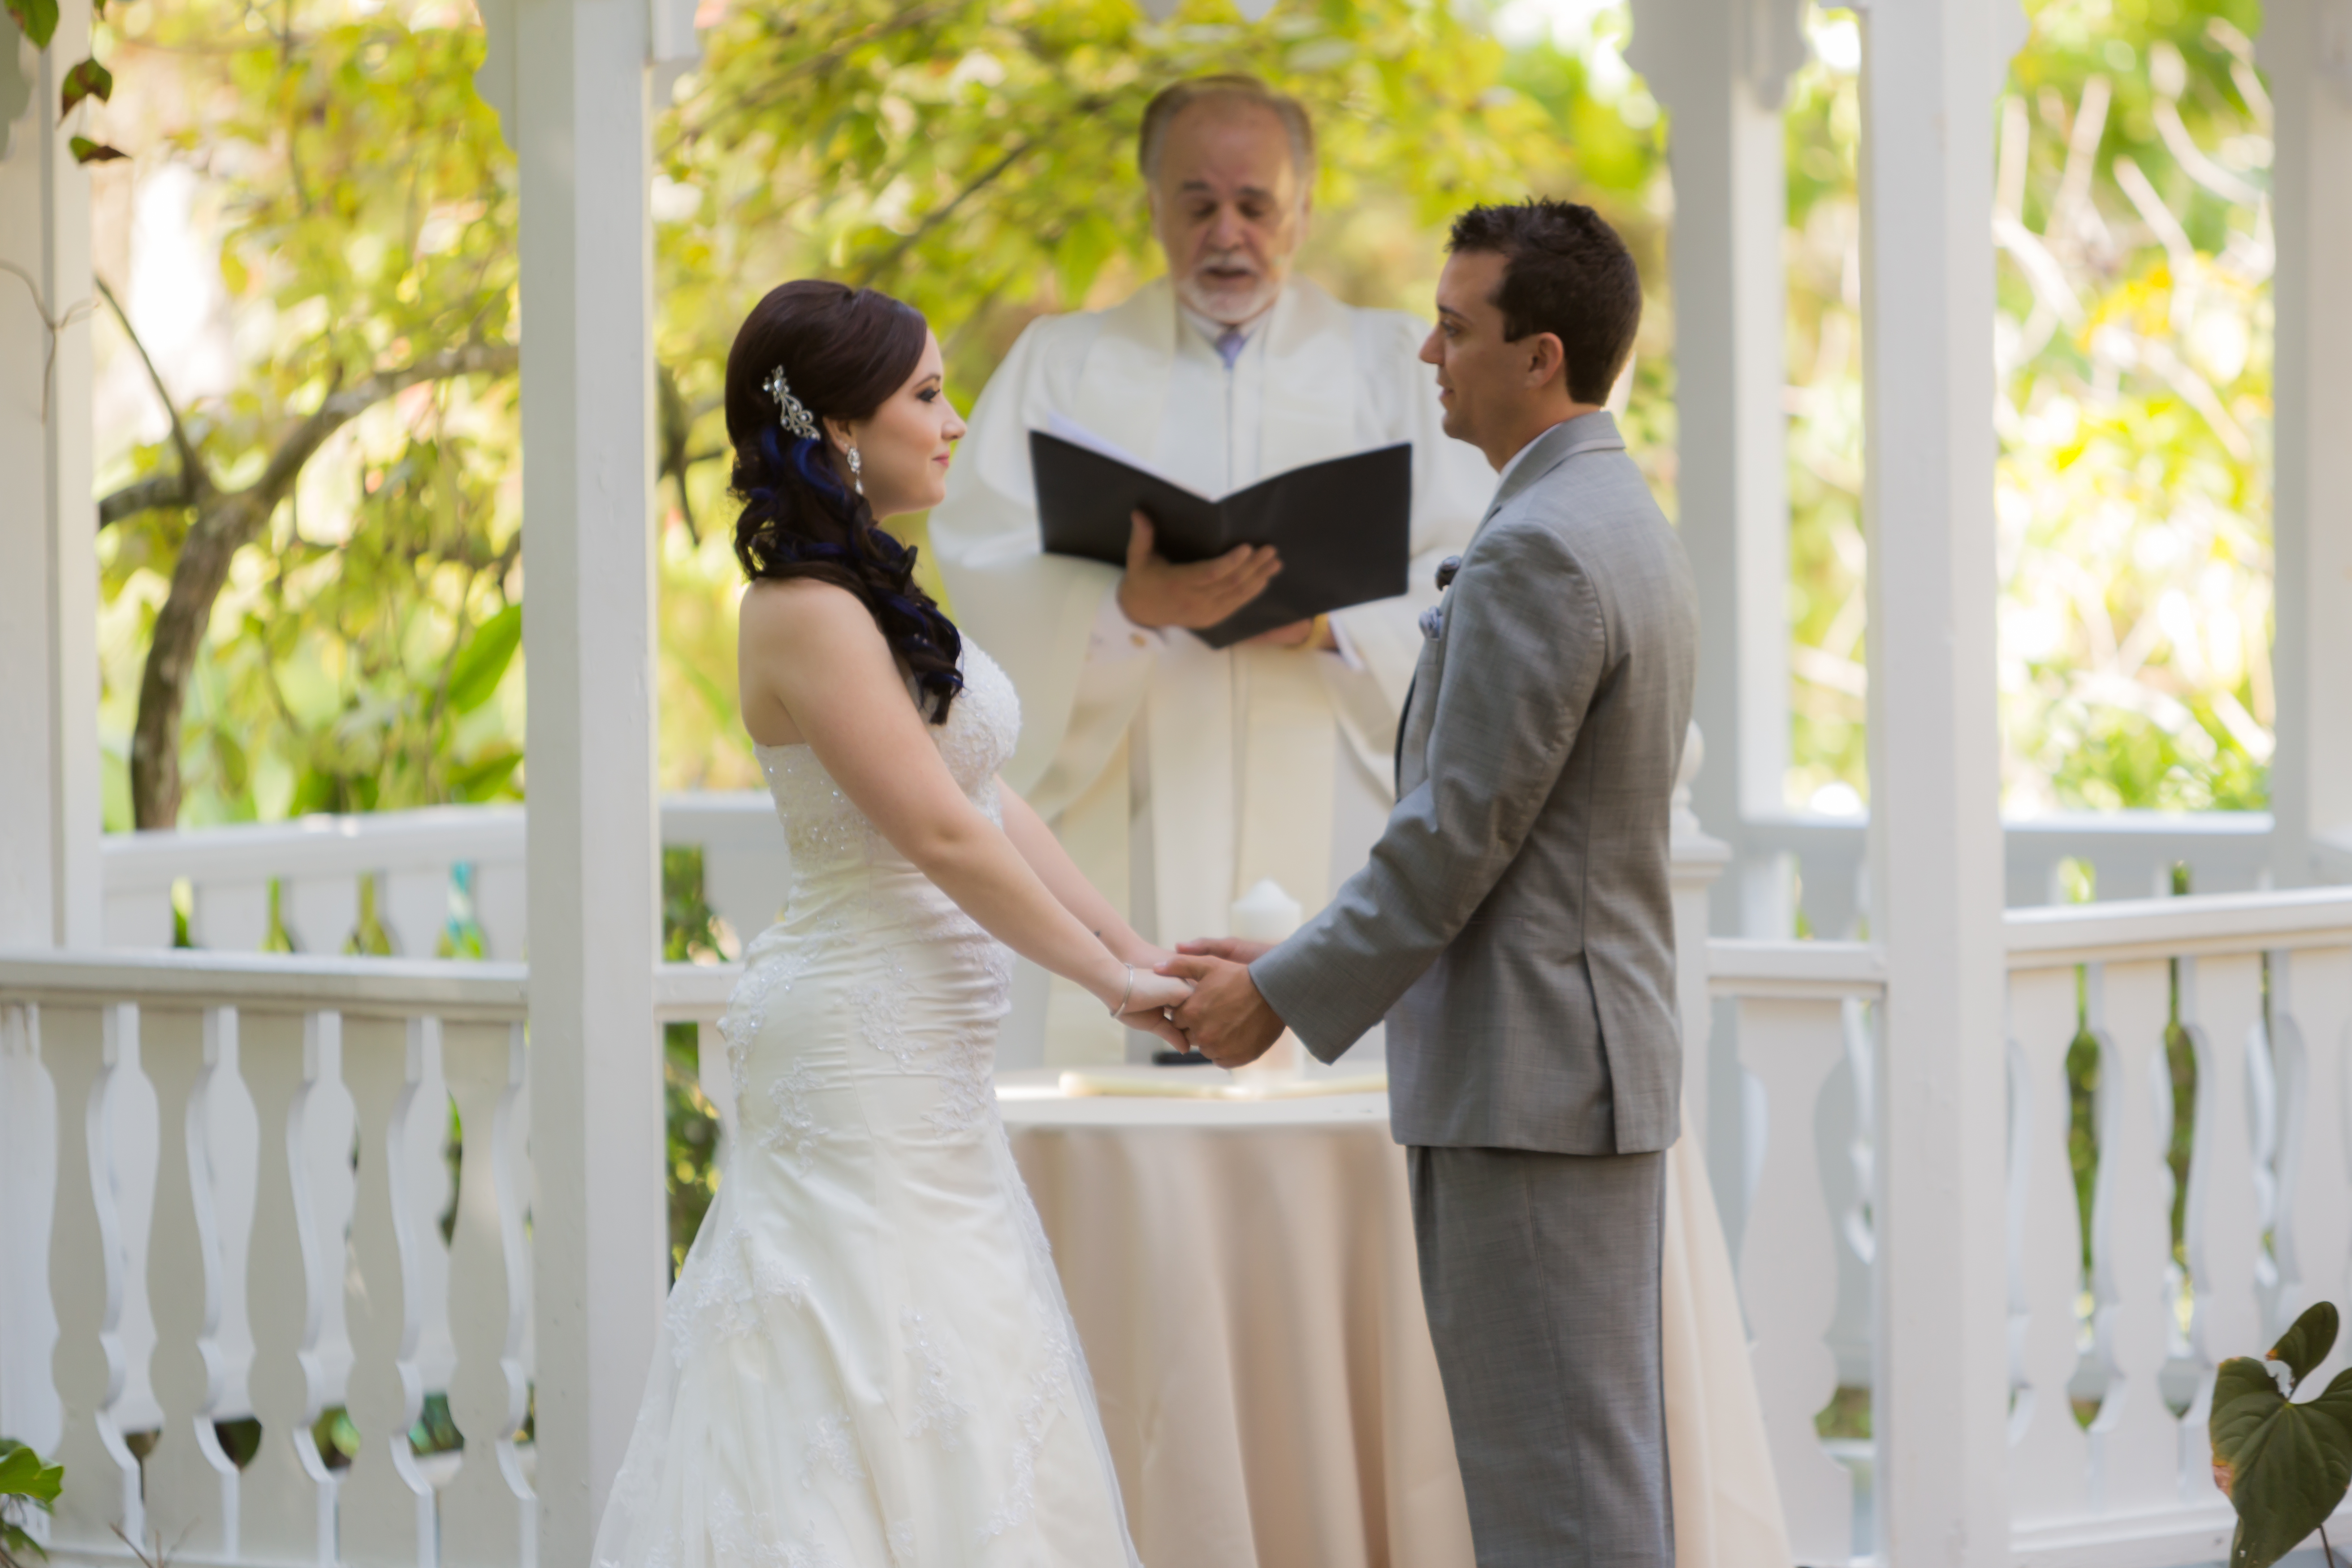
{"points": [[1233, 301]]}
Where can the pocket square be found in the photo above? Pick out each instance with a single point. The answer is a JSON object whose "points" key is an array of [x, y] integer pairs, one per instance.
{"points": [[1433, 622]]}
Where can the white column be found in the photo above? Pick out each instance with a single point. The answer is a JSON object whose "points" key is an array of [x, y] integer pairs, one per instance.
{"points": [[1941, 1374], [48, 571], [571, 86], [1719, 67], [2306, 49]]}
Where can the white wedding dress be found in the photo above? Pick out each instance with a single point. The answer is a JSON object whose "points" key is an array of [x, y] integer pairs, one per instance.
{"points": [[868, 1361]]}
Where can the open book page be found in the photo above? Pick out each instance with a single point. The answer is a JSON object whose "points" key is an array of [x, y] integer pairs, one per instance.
{"points": [[1068, 429]]}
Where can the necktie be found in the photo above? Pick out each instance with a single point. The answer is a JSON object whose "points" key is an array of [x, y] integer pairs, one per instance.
{"points": [[1229, 344]]}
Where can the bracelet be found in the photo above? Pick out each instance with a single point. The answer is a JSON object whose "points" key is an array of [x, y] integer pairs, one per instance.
{"points": [[1127, 995]]}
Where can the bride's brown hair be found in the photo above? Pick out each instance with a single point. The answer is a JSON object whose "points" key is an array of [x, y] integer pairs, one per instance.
{"points": [[844, 351]]}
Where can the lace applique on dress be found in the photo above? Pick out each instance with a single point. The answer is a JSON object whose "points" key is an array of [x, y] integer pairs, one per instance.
{"points": [[881, 1004], [1049, 1386], [796, 1131], [736, 1289], [936, 1406], [832, 1446]]}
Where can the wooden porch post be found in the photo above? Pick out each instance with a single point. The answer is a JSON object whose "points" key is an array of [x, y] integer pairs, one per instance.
{"points": [[1720, 67], [1930, 69], [50, 817], [569, 79], [2305, 50]]}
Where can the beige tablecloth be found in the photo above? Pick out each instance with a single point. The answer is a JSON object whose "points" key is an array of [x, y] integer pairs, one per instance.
{"points": [[1244, 1280]]}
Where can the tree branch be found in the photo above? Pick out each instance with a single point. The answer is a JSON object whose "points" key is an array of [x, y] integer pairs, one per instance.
{"points": [[196, 480], [153, 493], [940, 214]]}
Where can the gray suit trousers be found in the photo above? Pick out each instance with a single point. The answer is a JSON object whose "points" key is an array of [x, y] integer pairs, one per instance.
{"points": [[1540, 1272]]}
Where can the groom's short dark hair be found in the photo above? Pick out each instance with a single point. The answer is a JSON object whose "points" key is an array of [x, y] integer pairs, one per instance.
{"points": [[1567, 273]]}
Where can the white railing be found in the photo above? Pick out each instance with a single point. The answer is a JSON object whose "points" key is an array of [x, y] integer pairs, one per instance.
{"points": [[188, 1238], [229, 1184], [2127, 853], [432, 869], [2259, 988]]}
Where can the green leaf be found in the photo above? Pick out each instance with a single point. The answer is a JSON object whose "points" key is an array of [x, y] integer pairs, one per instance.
{"points": [[2286, 1466], [85, 151], [22, 1474], [20, 1545], [2306, 1344], [87, 80], [483, 661], [486, 776], [38, 18]]}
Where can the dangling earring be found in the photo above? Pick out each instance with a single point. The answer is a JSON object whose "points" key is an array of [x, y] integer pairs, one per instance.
{"points": [[856, 472]]}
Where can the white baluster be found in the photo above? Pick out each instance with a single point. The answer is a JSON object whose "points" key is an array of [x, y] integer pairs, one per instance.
{"points": [[191, 1484], [433, 1189], [489, 1517], [1788, 1267], [138, 919], [747, 874], [85, 1053], [2311, 1008], [2136, 1440], [28, 1191], [414, 908], [319, 912], [228, 917], [386, 1504], [231, 1147], [501, 908], [2049, 1471], [287, 1508], [2221, 1008]]}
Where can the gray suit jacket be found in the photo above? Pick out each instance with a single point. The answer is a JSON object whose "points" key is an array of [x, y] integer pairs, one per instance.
{"points": [[1516, 922]]}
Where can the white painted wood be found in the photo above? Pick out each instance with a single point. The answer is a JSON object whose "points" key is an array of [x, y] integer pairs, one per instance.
{"points": [[1698, 864], [1941, 1395], [1719, 67], [2302, 50], [191, 1484], [49, 790], [228, 1146], [320, 913], [502, 908], [1788, 1268], [139, 918], [433, 1191], [2310, 1013], [2049, 1469], [28, 1192], [599, 1250], [84, 1050], [489, 1514], [2221, 1008], [229, 916], [2134, 1440], [414, 908], [2164, 928], [386, 1513]]}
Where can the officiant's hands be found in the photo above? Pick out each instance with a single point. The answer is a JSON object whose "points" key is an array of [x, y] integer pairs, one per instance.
{"points": [[1226, 1018], [1158, 593]]}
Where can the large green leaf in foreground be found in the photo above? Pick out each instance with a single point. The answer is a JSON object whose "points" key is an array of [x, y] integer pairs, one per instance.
{"points": [[2284, 1466]]}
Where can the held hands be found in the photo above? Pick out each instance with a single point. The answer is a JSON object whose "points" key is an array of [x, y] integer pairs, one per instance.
{"points": [[1147, 1006], [1226, 1018], [1157, 592]]}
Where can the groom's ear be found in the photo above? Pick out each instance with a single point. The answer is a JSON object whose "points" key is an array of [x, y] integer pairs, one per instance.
{"points": [[1546, 358]]}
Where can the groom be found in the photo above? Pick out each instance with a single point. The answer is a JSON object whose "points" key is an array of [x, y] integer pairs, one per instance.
{"points": [[1515, 925]]}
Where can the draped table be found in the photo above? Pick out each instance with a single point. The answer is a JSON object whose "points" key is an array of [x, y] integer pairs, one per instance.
{"points": [[1244, 1281]]}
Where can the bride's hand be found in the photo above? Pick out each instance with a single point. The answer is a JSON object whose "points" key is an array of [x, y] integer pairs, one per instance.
{"points": [[1145, 1009]]}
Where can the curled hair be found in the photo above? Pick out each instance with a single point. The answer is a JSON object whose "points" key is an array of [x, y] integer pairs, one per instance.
{"points": [[844, 351]]}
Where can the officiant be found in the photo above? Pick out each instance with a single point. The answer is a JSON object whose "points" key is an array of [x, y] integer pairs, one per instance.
{"points": [[1178, 775]]}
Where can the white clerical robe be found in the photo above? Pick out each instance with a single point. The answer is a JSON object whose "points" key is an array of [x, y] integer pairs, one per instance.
{"points": [[1176, 775]]}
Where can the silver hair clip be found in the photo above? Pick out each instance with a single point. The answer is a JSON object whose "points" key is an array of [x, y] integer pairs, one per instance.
{"points": [[790, 412]]}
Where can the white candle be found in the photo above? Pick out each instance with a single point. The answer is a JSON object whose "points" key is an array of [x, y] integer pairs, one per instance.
{"points": [[1267, 913]]}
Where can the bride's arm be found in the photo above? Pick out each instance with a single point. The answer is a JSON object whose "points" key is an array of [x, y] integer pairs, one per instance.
{"points": [[817, 650], [1037, 845]]}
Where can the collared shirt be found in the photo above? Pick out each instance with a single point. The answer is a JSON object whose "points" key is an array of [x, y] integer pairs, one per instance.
{"points": [[1504, 477]]}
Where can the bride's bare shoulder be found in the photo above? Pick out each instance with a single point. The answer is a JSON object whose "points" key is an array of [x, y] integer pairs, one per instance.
{"points": [[795, 609]]}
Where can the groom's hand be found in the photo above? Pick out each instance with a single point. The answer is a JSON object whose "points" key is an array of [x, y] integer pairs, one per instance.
{"points": [[1226, 1018], [1231, 949]]}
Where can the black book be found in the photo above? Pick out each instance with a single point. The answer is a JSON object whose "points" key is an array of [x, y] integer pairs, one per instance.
{"points": [[1344, 527]]}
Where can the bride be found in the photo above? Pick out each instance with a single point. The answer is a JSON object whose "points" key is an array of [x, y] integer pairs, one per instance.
{"points": [[867, 1359]]}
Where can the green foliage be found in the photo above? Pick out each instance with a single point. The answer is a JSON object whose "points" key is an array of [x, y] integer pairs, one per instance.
{"points": [[2284, 1466], [37, 18], [25, 1483]]}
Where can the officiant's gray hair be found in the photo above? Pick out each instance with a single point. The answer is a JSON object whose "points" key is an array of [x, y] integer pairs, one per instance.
{"points": [[1178, 96]]}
